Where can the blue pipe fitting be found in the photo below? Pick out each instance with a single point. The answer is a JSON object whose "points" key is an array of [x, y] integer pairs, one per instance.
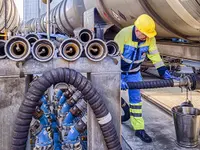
{"points": [[43, 139], [45, 109], [65, 109], [59, 94], [56, 139], [72, 135], [68, 121], [44, 99], [62, 100], [44, 121]]}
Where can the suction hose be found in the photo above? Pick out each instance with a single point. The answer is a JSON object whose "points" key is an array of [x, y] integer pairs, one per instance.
{"points": [[191, 82], [43, 50], [96, 50], [2, 50], [36, 91], [70, 49], [17, 48]]}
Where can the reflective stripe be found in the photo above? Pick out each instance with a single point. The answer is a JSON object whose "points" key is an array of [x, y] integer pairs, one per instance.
{"points": [[135, 69], [126, 60], [154, 52], [136, 114], [135, 107], [139, 61], [105, 119], [159, 64]]}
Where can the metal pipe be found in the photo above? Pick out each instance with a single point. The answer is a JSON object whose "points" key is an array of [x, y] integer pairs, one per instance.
{"points": [[17, 48], [84, 35], [96, 50], [70, 49], [113, 48], [43, 50], [48, 20]]}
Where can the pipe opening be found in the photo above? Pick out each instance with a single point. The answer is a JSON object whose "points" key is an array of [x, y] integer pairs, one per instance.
{"points": [[32, 40], [43, 50], [18, 49], [95, 50], [70, 49], [111, 49], [85, 37]]}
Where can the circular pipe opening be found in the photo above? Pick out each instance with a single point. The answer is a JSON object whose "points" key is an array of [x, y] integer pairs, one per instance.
{"points": [[71, 49], [96, 50], [18, 49], [113, 48], [43, 50], [85, 37]]}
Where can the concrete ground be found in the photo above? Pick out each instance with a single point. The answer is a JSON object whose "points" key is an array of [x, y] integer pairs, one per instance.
{"points": [[159, 126]]}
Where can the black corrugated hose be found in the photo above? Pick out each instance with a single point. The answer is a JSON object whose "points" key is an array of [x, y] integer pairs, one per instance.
{"points": [[69, 76], [151, 84]]}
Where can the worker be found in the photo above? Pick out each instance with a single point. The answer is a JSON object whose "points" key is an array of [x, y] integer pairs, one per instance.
{"points": [[135, 43]]}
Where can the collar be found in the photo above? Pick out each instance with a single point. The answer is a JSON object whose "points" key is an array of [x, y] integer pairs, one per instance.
{"points": [[134, 38]]}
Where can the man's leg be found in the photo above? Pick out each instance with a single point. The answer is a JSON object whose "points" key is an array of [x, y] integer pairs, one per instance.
{"points": [[136, 110]]}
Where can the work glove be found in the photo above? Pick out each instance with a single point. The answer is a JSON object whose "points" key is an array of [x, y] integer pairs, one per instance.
{"points": [[167, 75], [124, 85]]}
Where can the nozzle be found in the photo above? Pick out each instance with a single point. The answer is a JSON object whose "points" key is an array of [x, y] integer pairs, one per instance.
{"points": [[96, 50], [71, 49], [2, 50], [113, 48], [43, 50], [17, 48]]}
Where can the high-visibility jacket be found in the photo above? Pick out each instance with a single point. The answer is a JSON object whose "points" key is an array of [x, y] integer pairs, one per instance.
{"points": [[134, 51]]}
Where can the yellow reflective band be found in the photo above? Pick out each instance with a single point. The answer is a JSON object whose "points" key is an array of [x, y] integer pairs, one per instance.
{"points": [[138, 111], [159, 64], [154, 52], [137, 123]]}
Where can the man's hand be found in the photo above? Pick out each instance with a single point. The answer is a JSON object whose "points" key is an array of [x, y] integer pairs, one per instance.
{"points": [[167, 75], [124, 85]]}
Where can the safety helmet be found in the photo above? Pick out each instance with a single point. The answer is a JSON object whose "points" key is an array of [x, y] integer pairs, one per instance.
{"points": [[146, 25]]}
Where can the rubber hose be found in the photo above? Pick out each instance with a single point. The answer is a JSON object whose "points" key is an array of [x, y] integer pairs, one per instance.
{"points": [[125, 108], [37, 89], [151, 84]]}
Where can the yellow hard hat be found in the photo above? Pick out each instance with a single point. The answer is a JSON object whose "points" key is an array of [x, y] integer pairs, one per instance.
{"points": [[146, 25]]}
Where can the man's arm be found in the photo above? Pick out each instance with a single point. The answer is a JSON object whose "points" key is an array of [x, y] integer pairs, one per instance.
{"points": [[154, 55]]}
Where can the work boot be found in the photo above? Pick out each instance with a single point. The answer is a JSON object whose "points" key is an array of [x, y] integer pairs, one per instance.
{"points": [[143, 136]]}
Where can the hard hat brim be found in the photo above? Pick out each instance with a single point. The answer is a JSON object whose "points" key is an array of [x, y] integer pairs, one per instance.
{"points": [[151, 34]]}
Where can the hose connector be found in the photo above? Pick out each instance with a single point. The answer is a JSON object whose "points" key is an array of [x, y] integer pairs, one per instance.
{"points": [[96, 50], [71, 49], [43, 50], [17, 48], [113, 48]]}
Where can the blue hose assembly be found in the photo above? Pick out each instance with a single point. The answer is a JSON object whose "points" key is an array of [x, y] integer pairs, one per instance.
{"points": [[68, 121], [43, 139], [72, 135], [62, 100], [65, 109]]}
